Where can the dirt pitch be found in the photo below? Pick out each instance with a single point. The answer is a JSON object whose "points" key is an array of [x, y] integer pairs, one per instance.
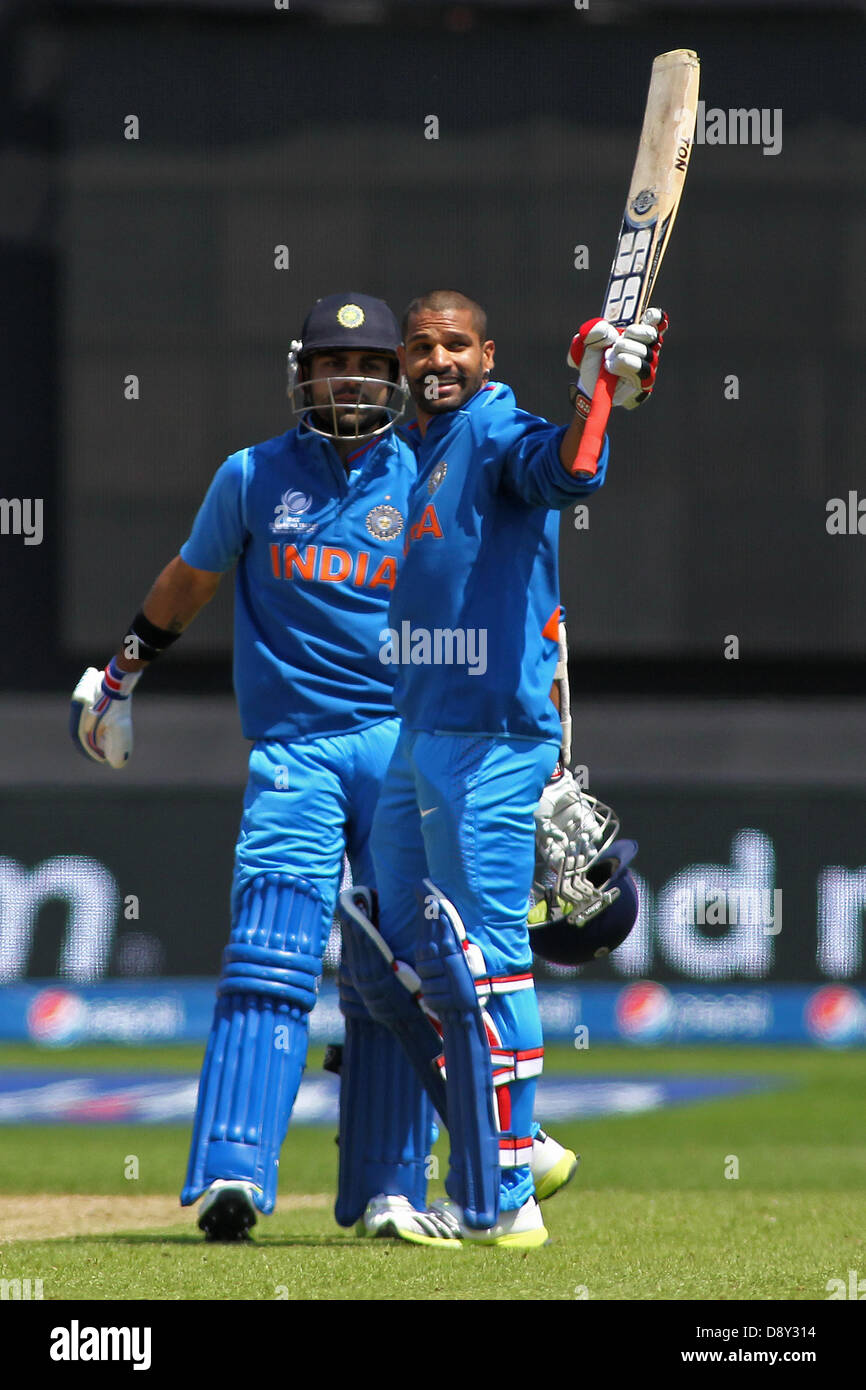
{"points": [[47, 1216]]}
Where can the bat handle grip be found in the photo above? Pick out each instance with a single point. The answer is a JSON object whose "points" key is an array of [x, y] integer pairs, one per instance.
{"points": [[592, 439]]}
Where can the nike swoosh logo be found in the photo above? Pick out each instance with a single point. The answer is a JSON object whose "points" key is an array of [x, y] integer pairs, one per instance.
{"points": [[429, 812]]}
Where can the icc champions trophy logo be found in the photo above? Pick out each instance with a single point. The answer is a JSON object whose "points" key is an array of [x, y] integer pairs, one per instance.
{"points": [[288, 513]]}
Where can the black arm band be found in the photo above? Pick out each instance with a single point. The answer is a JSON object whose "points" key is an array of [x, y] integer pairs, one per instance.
{"points": [[149, 639]]}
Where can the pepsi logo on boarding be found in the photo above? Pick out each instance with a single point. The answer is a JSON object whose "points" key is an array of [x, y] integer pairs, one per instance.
{"points": [[644, 1011], [56, 1017], [835, 1015]]}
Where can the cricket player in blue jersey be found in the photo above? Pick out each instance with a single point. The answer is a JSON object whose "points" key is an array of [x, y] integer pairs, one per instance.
{"points": [[314, 522], [472, 635]]}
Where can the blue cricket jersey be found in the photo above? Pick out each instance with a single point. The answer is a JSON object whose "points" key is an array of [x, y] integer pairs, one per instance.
{"points": [[475, 614], [317, 556]]}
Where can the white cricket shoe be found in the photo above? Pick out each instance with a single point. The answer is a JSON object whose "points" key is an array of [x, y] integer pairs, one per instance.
{"points": [[227, 1210], [552, 1165], [522, 1229], [395, 1217]]}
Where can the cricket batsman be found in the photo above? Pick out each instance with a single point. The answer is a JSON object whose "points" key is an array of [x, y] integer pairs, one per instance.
{"points": [[314, 522], [454, 832]]}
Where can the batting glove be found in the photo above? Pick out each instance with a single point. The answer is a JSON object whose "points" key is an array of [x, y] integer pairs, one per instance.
{"points": [[100, 718], [565, 818], [632, 355]]}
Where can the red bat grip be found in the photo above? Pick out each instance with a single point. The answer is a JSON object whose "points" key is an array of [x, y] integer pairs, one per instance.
{"points": [[592, 439]]}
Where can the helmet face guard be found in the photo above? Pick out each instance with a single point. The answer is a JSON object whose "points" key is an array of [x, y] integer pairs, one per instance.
{"points": [[371, 406], [568, 934]]}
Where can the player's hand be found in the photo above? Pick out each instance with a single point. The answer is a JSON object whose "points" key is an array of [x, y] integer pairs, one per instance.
{"points": [[572, 829], [100, 718], [632, 355], [567, 823]]}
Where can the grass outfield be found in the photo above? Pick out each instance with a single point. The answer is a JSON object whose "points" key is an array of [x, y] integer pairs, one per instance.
{"points": [[650, 1215]]}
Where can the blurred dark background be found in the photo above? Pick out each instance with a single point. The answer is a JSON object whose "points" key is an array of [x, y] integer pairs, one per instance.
{"points": [[305, 127]]}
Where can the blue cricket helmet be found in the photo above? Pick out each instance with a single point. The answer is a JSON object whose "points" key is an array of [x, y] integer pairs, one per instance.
{"points": [[347, 322], [600, 925]]}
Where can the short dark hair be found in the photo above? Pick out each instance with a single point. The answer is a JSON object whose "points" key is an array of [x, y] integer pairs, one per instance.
{"points": [[447, 299]]}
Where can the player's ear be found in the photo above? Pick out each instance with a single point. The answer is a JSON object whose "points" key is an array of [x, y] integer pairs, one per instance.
{"points": [[487, 351], [401, 358]]}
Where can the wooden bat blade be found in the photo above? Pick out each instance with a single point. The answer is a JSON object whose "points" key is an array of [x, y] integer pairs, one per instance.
{"points": [[654, 196], [656, 186]]}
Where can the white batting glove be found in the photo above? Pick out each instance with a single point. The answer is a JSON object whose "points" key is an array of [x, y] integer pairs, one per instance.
{"points": [[572, 829], [566, 823], [631, 355], [100, 719]]}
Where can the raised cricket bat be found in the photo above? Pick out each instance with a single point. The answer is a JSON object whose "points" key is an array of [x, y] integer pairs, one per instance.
{"points": [[651, 207]]}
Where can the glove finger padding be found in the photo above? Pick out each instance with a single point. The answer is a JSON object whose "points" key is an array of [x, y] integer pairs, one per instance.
{"points": [[572, 829], [634, 358], [586, 351], [595, 333], [568, 822], [116, 734], [101, 727]]}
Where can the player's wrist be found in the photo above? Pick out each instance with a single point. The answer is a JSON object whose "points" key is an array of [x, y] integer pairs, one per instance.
{"points": [[117, 683], [144, 641], [580, 402]]}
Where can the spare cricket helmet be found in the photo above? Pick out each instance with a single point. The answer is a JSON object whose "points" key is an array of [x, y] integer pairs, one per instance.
{"points": [[566, 933]]}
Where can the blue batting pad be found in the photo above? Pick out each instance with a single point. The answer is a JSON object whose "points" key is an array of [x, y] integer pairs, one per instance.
{"points": [[389, 1061], [386, 1118], [449, 990], [257, 1046], [385, 997]]}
